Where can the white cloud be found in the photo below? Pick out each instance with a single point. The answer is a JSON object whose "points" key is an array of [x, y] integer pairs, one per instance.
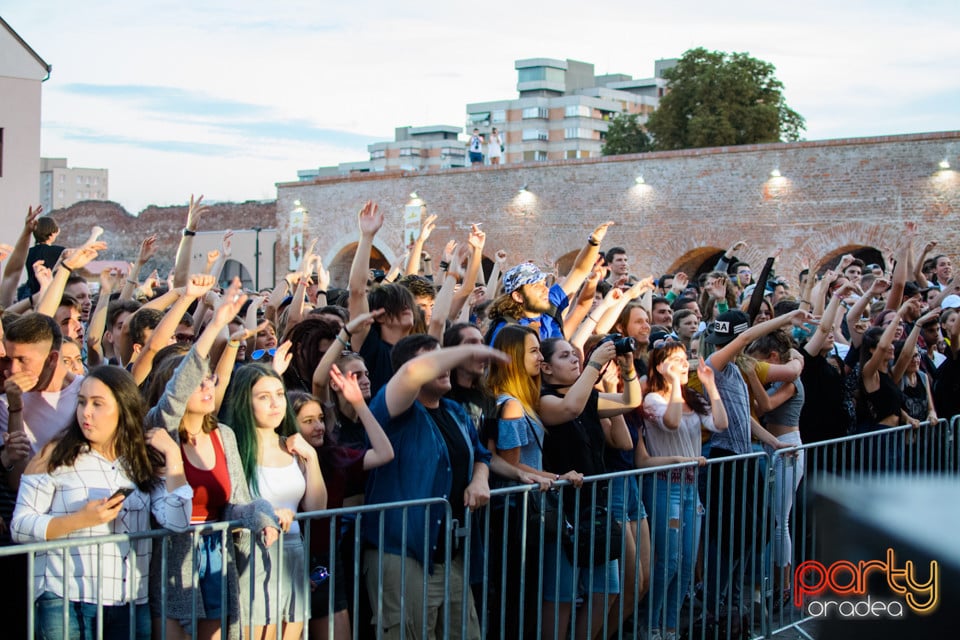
{"points": [[349, 72]]}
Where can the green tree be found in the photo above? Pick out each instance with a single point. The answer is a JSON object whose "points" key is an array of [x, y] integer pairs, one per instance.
{"points": [[625, 135], [717, 99]]}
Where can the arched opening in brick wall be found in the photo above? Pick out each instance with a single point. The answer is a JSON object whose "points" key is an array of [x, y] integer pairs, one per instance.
{"points": [[339, 267], [235, 269], [869, 255], [696, 262], [565, 262]]}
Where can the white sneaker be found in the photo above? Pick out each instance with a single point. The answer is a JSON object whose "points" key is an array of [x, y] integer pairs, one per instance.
{"points": [[655, 635]]}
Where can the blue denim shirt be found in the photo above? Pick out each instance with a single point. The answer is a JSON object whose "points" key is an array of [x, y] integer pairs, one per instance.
{"points": [[420, 469]]}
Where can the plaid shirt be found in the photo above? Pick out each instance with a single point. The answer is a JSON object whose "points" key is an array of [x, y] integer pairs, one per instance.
{"points": [[123, 567]]}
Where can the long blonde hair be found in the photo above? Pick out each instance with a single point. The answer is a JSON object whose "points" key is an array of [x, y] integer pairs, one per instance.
{"points": [[511, 378]]}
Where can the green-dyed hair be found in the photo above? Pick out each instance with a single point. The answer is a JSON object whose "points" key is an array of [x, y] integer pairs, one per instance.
{"points": [[238, 413]]}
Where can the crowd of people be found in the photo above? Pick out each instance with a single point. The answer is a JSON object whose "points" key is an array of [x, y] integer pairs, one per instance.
{"points": [[149, 404]]}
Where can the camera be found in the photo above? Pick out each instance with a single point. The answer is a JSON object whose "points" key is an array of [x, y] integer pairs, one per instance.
{"points": [[623, 344]]}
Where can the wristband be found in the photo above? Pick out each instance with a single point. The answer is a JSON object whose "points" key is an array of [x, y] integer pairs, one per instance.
{"points": [[427, 259], [346, 331], [592, 242], [188, 232], [595, 365], [321, 292], [15, 410], [346, 345], [631, 378], [133, 282], [64, 266], [722, 306], [592, 318], [233, 343], [444, 265]]}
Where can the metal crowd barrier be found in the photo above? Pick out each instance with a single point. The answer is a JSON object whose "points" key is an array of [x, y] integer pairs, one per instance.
{"points": [[726, 577]]}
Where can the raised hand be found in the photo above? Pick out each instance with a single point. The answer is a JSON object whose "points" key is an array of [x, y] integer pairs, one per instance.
{"points": [[198, 285], [195, 211], [370, 219], [148, 247], [282, 357], [347, 385]]}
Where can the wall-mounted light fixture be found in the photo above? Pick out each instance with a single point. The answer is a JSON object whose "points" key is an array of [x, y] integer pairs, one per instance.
{"points": [[639, 179], [413, 195], [523, 189], [775, 173], [944, 164], [297, 203]]}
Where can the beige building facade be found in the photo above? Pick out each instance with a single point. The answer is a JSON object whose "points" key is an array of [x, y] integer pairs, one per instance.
{"points": [[62, 186], [22, 73]]}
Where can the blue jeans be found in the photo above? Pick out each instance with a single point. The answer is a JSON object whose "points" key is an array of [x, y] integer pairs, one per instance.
{"points": [[82, 620], [674, 548]]}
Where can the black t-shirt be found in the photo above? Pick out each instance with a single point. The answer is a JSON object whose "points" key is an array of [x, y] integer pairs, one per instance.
{"points": [[480, 406], [376, 355], [578, 444], [946, 391], [49, 254], [351, 434], [459, 452], [823, 415]]}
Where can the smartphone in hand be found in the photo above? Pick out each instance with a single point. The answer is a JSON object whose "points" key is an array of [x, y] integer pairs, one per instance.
{"points": [[122, 491]]}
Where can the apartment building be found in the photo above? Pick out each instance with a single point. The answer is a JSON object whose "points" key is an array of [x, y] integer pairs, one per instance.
{"points": [[62, 186], [563, 108], [412, 149]]}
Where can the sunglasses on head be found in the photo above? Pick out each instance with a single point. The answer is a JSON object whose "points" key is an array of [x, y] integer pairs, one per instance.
{"points": [[259, 353]]}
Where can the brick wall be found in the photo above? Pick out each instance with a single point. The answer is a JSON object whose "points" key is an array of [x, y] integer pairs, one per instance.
{"points": [[834, 196]]}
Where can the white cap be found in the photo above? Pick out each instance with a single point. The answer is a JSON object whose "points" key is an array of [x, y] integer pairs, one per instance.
{"points": [[952, 301]]}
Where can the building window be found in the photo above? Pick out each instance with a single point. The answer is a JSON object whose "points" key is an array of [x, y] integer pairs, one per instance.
{"points": [[479, 119], [578, 111], [499, 115], [535, 134], [534, 156], [410, 152], [542, 74], [577, 153], [535, 112], [571, 133], [449, 152], [380, 154]]}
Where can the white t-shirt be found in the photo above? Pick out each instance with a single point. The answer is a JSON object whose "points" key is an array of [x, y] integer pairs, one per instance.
{"points": [[45, 413]]}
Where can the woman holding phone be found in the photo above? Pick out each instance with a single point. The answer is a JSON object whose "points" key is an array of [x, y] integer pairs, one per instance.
{"points": [[97, 479]]}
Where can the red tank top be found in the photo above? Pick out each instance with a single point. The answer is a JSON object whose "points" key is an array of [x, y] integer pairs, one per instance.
{"points": [[211, 487]]}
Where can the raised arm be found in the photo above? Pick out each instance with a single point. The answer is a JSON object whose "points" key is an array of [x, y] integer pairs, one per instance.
{"points": [[427, 224], [585, 260], [555, 410], [910, 344], [725, 355], [181, 268], [13, 269], [404, 387], [871, 369], [369, 221], [77, 259], [829, 319], [616, 404], [148, 247], [380, 451], [109, 281]]}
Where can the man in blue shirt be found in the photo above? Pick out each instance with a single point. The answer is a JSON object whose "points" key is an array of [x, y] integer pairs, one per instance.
{"points": [[437, 455], [527, 300]]}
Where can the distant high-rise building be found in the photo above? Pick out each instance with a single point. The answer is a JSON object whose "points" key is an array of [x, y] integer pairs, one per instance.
{"points": [[563, 109], [62, 186]]}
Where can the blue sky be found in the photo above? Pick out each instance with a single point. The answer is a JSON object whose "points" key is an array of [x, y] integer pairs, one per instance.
{"points": [[229, 98]]}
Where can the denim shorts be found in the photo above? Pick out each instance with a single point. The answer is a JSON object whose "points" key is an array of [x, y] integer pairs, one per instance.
{"points": [[209, 567], [604, 578], [630, 487], [82, 620]]}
